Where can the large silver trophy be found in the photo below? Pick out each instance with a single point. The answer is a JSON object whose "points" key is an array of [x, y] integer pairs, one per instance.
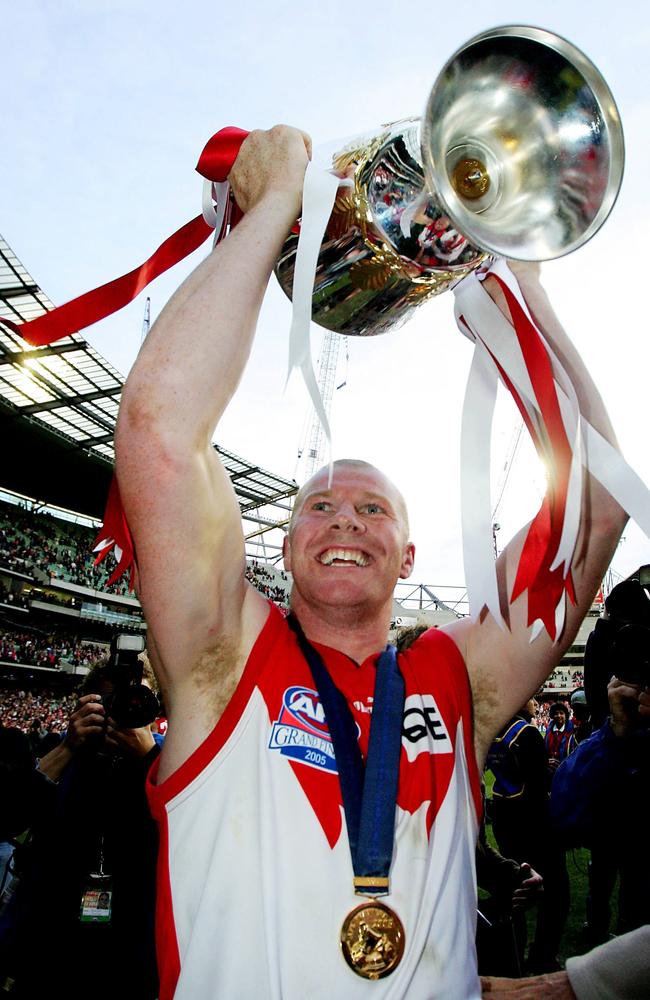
{"points": [[519, 154]]}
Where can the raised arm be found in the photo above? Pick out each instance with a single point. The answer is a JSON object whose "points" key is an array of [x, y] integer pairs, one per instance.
{"points": [[203, 617], [505, 667]]}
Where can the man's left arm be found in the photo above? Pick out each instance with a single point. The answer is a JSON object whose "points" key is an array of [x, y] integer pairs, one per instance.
{"points": [[505, 667]]}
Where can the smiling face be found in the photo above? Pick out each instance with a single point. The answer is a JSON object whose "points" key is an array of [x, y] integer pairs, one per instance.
{"points": [[559, 717], [348, 543]]}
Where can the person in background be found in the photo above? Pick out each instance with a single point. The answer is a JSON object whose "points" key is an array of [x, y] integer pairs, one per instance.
{"points": [[90, 832], [521, 824], [582, 724], [559, 738], [617, 970]]}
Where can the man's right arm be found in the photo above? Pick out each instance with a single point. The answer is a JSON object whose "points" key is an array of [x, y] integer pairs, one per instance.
{"points": [[203, 617]]}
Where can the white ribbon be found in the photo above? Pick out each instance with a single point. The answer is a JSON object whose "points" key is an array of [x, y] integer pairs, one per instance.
{"points": [[570, 412], [478, 410], [319, 194], [106, 543], [215, 200], [478, 316]]}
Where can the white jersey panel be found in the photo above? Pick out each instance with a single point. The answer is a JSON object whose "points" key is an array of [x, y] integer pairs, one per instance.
{"points": [[259, 896]]}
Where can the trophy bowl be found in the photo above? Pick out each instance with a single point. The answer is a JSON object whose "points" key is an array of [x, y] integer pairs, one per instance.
{"points": [[519, 153]]}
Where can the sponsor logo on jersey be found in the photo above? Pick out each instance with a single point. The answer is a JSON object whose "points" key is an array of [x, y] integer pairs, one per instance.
{"points": [[301, 732], [423, 729]]}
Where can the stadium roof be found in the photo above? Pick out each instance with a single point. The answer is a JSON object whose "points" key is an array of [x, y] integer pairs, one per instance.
{"points": [[58, 407]]}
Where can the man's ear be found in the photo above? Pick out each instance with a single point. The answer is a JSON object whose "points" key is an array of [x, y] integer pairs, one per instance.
{"points": [[408, 561], [286, 553]]}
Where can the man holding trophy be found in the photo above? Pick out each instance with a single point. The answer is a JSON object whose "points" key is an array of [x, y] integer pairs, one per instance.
{"points": [[262, 804], [318, 797]]}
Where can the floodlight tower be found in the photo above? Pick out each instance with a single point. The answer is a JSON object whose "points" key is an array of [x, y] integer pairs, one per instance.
{"points": [[326, 378], [146, 320]]}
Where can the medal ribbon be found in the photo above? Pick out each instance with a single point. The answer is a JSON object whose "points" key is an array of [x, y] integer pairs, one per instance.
{"points": [[369, 798]]}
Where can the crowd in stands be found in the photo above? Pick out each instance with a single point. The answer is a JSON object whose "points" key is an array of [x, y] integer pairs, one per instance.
{"points": [[37, 650], [49, 710], [31, 540], [272, 583], [564, 679]]}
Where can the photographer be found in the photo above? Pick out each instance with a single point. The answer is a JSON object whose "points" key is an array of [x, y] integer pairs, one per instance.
{"points": [[91, 855], [600, 794]]}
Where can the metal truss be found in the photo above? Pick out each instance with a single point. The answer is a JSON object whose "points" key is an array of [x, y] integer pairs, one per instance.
{"points": [[432, 597], [69, 389]]}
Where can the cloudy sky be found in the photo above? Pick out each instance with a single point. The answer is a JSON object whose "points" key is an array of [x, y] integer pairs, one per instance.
{"points": [[106, 109]]}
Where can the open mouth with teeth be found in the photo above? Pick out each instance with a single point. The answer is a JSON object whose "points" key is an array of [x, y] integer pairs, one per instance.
{"points": [[343, 557]]}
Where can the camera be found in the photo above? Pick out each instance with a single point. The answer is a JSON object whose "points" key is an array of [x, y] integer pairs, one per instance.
{"points": [[620, 643], [631, 652], [130, 703]]}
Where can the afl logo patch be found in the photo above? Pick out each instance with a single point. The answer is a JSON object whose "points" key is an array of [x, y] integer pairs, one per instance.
{"points": [[301, 732]]}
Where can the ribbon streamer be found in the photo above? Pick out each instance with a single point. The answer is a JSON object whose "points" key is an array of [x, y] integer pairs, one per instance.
{"points": [[219, 215], [319, 195], [115, 534], [564, 439], [524, 364], [215, 163]]}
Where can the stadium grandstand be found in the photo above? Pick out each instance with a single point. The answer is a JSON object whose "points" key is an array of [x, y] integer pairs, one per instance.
{"points": [[58, 407]]}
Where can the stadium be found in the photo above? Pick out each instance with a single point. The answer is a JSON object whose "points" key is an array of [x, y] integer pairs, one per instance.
{"points": [[223, 856], [58, 407]]}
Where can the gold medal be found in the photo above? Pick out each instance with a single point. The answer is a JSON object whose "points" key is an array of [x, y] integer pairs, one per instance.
{"points": [[372, 940]]}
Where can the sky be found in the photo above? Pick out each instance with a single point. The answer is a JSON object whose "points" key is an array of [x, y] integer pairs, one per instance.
{"points": [[106, 109]]}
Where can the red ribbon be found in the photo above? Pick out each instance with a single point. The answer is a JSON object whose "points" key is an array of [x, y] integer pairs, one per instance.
{"points": [[101, 302], [545, 586], [115, 532], [215, 163]]}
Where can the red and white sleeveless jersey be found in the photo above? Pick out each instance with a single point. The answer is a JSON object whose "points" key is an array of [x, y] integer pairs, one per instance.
{"points": [[255, 876]]}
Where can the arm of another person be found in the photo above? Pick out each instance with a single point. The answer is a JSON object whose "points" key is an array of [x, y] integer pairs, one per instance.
{"points": [[505, 667], [616, 970], [202, 615], [88, 719]]}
